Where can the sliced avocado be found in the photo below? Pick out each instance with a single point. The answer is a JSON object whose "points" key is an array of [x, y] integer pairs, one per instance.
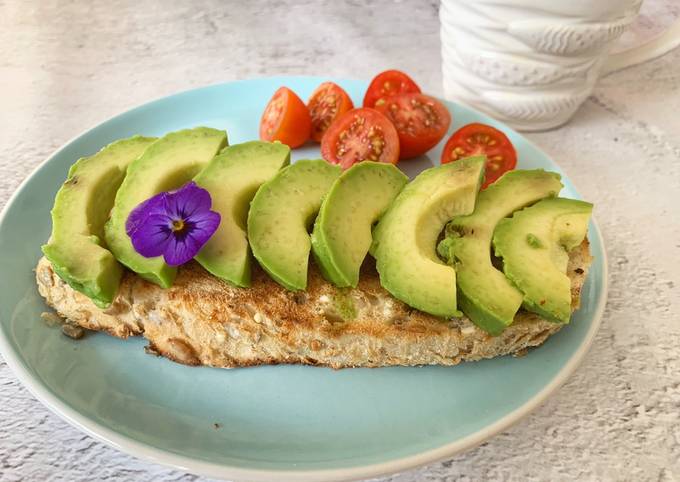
{"points": [[232, 178], [280, 216], [342, 231], [486, 296], [405, 239], [534, 244], [76, 247], [166, 164]]}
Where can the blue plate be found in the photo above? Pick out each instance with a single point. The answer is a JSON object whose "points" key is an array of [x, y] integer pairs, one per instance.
{"points": [[283, 422]]}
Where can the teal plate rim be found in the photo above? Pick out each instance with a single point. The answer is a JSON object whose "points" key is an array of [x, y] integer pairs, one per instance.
{"points": [[20, 366]]}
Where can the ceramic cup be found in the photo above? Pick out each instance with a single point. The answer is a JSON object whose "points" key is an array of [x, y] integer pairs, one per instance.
{"points": [[531, 63]]}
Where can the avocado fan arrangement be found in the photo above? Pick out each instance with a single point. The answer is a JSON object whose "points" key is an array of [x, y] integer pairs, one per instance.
{"points": [[440, 244]]}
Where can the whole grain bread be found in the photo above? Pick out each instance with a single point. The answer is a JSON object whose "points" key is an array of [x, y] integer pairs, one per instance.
{"points": [[201, 320]]}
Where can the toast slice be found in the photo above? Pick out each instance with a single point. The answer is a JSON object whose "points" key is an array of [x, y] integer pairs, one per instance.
{"points": [[201, 320]]}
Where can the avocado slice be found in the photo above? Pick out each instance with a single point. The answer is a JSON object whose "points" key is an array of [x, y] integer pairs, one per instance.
{"points": [[167, 164], [342, 231], [280, 216], [486, 296], [76, 247], [232, 178], [534, 244], [405, 239]]}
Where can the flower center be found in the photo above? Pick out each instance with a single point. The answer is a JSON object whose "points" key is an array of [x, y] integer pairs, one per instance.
{"points": [[178, 225]]}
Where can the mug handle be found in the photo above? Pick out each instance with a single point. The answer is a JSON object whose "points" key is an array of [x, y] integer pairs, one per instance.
{"points": [[655, 47]]}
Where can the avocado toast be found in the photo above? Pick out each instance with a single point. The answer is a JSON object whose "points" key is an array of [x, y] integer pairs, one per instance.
{"points": [[429, 240], [201, 320]]}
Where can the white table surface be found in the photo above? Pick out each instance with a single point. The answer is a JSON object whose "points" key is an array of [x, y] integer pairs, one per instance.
{"points": [[67, 65]]}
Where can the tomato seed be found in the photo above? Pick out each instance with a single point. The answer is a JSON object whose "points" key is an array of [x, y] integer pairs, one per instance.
{"points": [[369, 145]]}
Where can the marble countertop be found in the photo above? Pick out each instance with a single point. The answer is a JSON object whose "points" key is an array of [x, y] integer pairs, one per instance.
{"points": [[67, 65]]}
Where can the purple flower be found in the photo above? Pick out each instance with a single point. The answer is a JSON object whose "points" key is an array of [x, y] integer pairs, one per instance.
{"points": [[174, 224]]}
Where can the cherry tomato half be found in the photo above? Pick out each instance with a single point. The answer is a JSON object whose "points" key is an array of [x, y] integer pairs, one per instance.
{"points": [[286, 119], [328, 102], [389, 83], [421, 121], [361, 135], [474, 139]]}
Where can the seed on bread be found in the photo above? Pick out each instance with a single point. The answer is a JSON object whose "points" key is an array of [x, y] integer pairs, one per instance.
{"points": [[72, 331]]}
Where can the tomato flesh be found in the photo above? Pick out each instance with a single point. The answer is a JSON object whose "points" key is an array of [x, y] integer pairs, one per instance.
{"points": [[328, 102], [421, 121], [481, 139], [387, 84], [286, 119], [360, 135]]}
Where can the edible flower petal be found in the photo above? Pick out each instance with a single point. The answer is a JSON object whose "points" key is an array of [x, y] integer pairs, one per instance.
{"points": [[174, 224]]}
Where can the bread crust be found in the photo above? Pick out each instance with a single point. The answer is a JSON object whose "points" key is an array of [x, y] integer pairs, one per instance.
{"points": [[202, 320]]}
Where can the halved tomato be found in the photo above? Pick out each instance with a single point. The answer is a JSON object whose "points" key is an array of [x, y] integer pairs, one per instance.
{"points": [[327, 103], [389, 83], [361, 135], [421, 121], [286, 119], [474, 139]]}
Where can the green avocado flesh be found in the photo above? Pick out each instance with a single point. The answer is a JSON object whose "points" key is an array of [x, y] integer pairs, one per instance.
{"points": [[167, 164], [342, 231], [486, 296], [280, 216], [76, 247], [405, 239], [232, 178], [534, 244]]}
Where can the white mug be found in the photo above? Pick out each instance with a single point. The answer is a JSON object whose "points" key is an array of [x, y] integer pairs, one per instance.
{"points": [[531, 63]]}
